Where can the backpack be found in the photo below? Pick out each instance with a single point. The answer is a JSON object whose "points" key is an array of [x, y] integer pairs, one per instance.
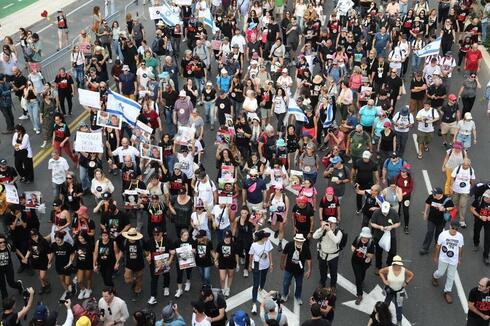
{"points": [[149, 317], [88, 308], [451, 215], [278, 317], [459, 168], [344, 239]]}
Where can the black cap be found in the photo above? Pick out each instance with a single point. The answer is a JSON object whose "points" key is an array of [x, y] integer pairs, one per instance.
{"points": [[157, 229], [57, 202], [201, 234], [106, 195], [155, 197], [206, 290], [132, 175], [3, 161], [437, 191], [259, 235], [228, 234], [184, 148]]}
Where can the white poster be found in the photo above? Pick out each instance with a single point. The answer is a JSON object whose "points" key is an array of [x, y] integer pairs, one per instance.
{"points": [[89, 98], [185, 257], [89, 142], [11, 194], [185, 135], [183, 2]]}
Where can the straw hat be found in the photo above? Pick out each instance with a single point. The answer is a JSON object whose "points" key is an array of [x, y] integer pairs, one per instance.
{"points": [[132, 234]]}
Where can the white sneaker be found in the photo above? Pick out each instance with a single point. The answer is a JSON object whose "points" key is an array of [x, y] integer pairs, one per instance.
{"points": [[299, 301], [87, 294], [166, 292], [110, 60], [38, 132], [245, 272], [178, 293], [242, 260], [81, 295], [227, 292], [254, 309], [187, 286], [23, 117], [152, 301], [44, 144]]}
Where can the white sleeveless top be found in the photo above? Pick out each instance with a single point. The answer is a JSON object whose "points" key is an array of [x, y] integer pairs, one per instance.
{"points": [[396, 282]]}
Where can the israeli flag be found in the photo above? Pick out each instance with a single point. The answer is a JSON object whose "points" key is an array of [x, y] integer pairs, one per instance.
{"points": [[208, 20], [294, 109], [430, 49], [127, 108], [166, 13], [328, 116]]}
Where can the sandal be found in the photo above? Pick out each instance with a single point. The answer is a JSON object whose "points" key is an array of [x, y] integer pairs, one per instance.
{"points": [[419, 156]]}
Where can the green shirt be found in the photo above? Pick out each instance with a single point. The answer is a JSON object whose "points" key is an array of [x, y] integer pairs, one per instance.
{"points": [[153, 63]]}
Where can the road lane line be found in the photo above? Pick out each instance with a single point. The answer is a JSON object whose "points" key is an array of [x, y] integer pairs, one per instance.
{"points": [[7, 6], [457, 279], [414, 136]]}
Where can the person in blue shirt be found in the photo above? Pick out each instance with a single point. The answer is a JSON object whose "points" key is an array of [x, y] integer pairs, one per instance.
{"points": [[381, 41], [224, 81], [367, 114], [253, 192]]}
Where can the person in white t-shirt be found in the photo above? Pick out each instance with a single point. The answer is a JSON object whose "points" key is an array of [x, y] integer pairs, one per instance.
{"points": [[447, 256], [463, 179], [126, 149], [260, 263], [58, 166], [200, 220], [205, 190], [199, 318], [425, 127], [403, 121], [466, 131], [221, 219]]}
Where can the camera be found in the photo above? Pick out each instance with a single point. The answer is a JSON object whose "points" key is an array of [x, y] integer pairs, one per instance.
{"points": [[329, 130], [102, 312], [26, 295], [62, 301], [277, 298]]}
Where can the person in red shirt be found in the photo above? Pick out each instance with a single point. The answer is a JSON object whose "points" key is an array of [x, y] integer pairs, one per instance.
{"points": [[473, 59], [329, 205], [150, 114], [61, 137], [405, 182]]}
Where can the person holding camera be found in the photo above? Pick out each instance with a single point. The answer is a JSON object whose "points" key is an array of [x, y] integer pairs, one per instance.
{"points": [[328, 250], [113, 310], [270, 309], [425, 127], [12, 318], [171, 316]]}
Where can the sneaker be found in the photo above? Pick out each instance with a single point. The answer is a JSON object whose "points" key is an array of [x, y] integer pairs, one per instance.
{"points": [[187, 286], [254, 309], [476, 248], [152, 301], [284, 298], [110, 61], [435, 281], [43, 144], [448, 297], [178, 293], [81, 294], [405, 229], [245, 272], [38, 132], [486, 261], [87, 294], [23, 117], [166, 292], [226, 292], [463, 224], [358, 300], [299, 301], [423, 251]]}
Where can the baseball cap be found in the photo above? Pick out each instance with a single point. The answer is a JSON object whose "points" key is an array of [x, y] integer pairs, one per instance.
{"points": [[3, 161], [83, 210], [157, 229], [329, 191], [437, 191], [452, 97], [167, 312], [302, 200], [57, 202], [125, 68], [332, 219], [486, 194], [387, 124], [336, 159], [41, 312], [106, 195], [240, 318], [269, 305], [404, 111], [366, 154]]}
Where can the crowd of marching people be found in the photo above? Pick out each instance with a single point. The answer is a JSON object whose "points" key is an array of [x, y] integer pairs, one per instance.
{"points": [[216, 127]]}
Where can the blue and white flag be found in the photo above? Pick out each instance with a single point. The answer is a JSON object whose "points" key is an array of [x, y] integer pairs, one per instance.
{"points": [[328, 116], [166, 13], [208, 20], [294, 109], [430, 49], [127, 108]]}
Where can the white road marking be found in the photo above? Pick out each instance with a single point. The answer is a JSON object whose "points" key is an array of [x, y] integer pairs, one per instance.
{"points": [[457, 279], [414, 135], [9, 5]]}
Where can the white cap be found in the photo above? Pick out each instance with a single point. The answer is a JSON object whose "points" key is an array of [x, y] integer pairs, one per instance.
{"points": [[365, 233], [385, 207], [182, 93], [468, 116], [366, 154], [332, 219]]}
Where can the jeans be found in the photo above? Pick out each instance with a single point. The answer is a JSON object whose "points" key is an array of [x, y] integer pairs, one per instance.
{"points": [[154, 283], [169, 124], [9, 117], [209, 113], [401, 140], [479, 224], [403, 9], [200, 86], [84, 178], [378, 253], [237, 108], [442, 267], [433, 230], [117, 50], [484, 30], [33, 109], [324, 267], [56, 189], [391, 296], [359, 275], [286, 282], [259, 278], [78, 75], [205, 274], [170, 162], [416, 60]]}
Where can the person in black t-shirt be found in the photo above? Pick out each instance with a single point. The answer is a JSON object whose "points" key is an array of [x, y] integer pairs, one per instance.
{"points": [[160, 255], [8, 174], [18, 233], [303, 214], [84, 252], [436, 205], [371, 203], [7, 269], [12, 318], [362, 254], [316, 317], [481, 211], [227, 260], [106, 257], [363, 174], [64, 257], [295, 262], [203, 250], [134, 256], [214, 306], [479, 304], [37, 254]]}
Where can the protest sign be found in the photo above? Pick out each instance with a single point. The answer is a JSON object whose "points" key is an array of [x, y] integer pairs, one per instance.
{"points": [[89, 98], [185, 257], [89, 142], [11, 194]]}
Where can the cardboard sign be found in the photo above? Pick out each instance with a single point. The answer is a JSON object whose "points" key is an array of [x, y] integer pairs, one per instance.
{"points": [[185, 257], [11, 194], [89, 98], [89, 142]]}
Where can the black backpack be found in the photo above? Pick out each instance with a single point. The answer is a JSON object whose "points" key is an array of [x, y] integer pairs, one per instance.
{"points": [[343, 241], [148, 316]]}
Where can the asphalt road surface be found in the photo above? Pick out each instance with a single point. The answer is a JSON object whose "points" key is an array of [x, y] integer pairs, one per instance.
{"points": [[425, 305]]}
